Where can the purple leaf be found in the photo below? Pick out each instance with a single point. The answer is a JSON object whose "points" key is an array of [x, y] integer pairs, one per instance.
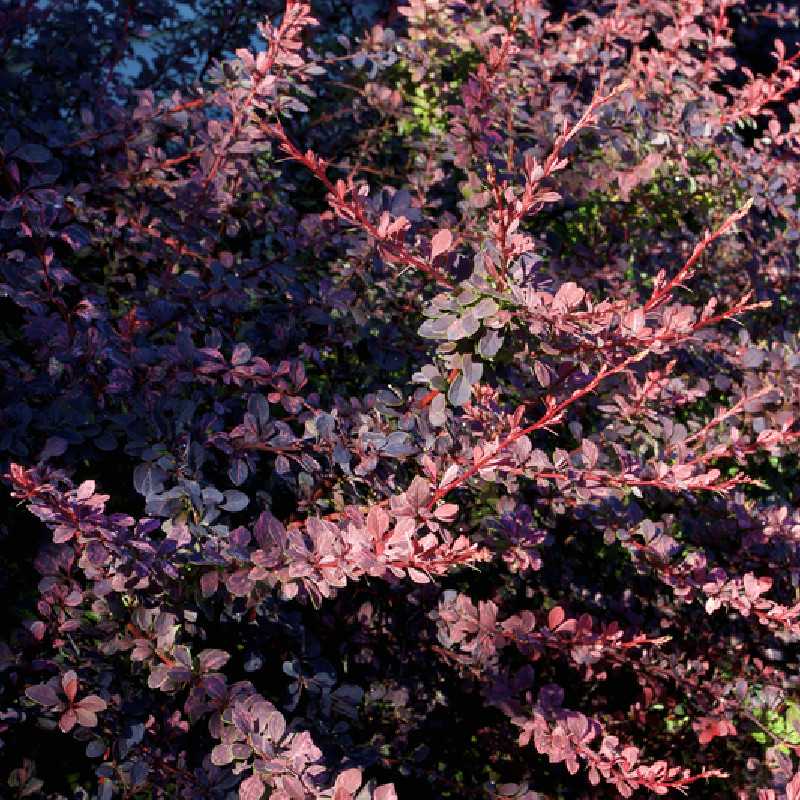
{"points": [[222, 755], [459, 392], [241, 355], [33, 153], [235, 500], [211, 660], [44, 694]]}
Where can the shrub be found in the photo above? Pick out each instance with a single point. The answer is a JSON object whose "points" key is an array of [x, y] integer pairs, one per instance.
{"points": [[407, 399]]}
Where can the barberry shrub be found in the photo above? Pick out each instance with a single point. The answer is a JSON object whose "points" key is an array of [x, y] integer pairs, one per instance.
{"points": [[400, 400]]}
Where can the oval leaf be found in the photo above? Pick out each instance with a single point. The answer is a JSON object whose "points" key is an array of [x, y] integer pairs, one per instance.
{"points": [[441, 243]]}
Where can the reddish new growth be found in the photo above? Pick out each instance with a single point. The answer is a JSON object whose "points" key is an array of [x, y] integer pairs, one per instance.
{"points": [[400, 400]]}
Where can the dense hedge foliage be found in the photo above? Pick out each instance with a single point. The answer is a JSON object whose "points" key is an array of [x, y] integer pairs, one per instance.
{"points": [[399, 400]]}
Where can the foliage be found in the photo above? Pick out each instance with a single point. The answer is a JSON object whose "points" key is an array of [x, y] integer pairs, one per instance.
{"points": [[399, 399]]}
